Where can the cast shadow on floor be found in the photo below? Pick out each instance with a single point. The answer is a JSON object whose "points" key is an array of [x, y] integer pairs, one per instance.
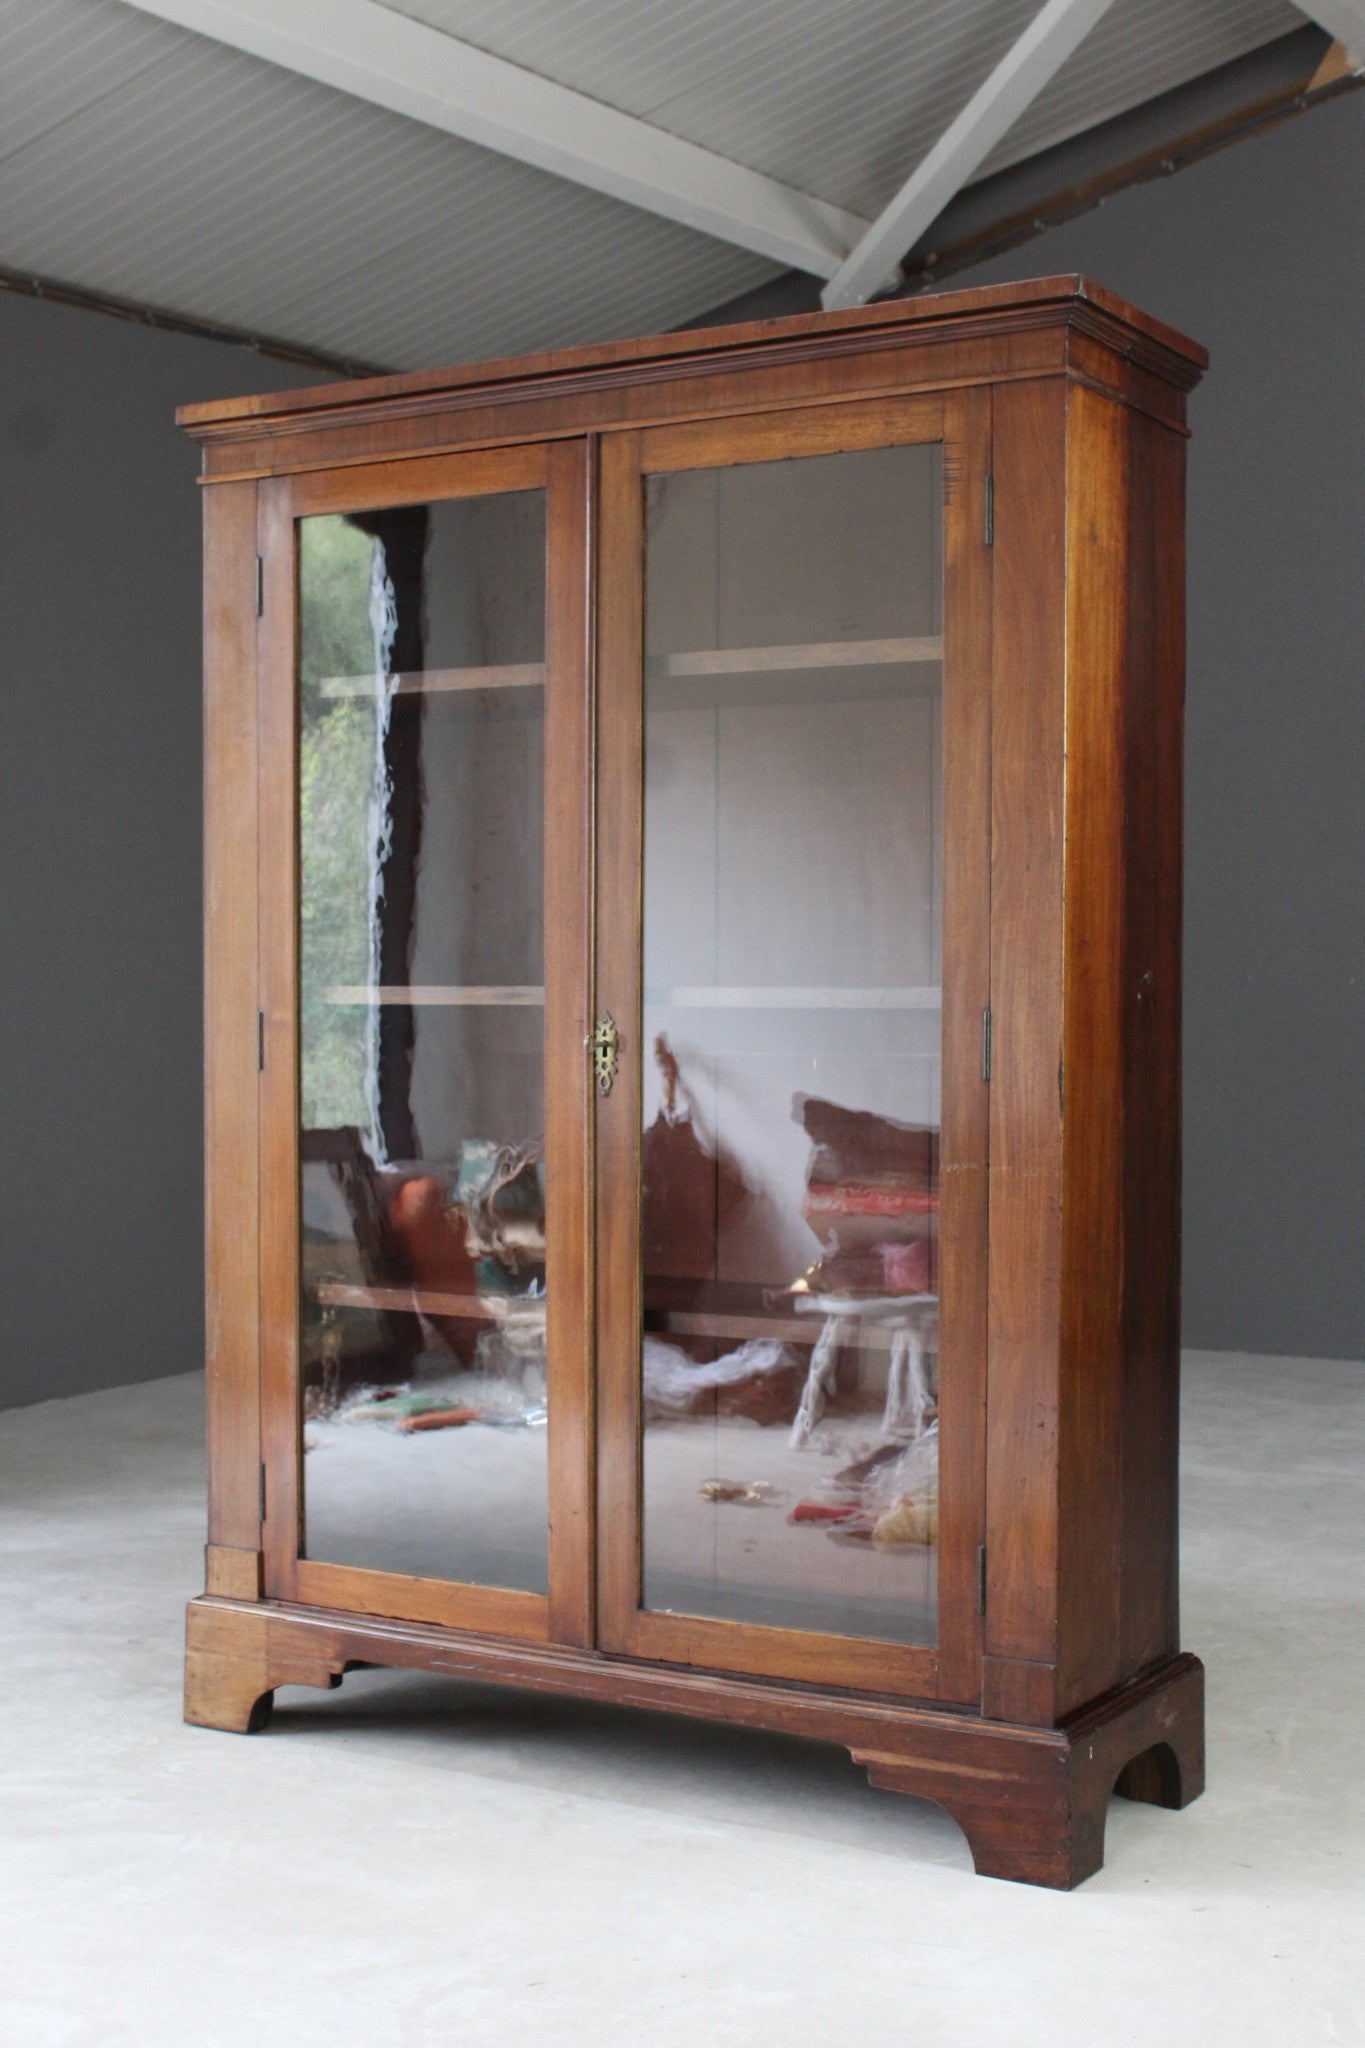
{"points": [[702, 1770]]}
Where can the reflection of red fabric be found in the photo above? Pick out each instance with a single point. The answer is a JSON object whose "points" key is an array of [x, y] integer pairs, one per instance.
{"points": [[870, 1180], [882, 1267], [909, 1268], [853, 1198], [438, 1418], [431, 1236], [858, 1145]]}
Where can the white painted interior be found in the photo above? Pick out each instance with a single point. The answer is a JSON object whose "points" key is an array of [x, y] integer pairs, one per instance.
{"points": [[791, 818]]}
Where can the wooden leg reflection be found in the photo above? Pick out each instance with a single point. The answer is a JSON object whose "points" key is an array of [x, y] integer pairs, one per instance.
{"points": [[820, 1379]]}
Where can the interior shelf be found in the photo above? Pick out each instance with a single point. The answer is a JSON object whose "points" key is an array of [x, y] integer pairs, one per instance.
{"points": [[528, 996], [493, 1308], [784, 1329], [487, 1308], [739, 661], [705, 661], [516, 675], [466, 995], [707, 997]]}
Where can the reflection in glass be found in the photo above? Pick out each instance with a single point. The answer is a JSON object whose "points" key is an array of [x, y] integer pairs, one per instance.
{"points": [[421, 765], [792, 969]]}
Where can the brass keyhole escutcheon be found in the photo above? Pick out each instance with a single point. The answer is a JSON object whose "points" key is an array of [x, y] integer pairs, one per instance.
{"points": [[606, 1041]]}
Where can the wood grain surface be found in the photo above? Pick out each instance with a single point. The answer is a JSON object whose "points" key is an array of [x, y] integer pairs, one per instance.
{"points": [[1063, 663]]}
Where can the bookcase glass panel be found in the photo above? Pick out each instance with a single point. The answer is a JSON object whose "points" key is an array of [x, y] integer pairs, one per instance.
{"points": [[421, 1072], [792, 1043]]}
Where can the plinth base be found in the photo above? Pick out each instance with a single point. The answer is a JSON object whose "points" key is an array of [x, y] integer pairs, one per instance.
{"points": [[1031, 1801]]}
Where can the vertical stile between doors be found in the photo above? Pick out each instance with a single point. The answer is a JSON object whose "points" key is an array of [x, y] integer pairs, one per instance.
{"points": [[568, 1022], [619, 882]]}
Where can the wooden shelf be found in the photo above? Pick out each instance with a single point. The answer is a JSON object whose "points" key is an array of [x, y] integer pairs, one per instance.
{"points": [[706, 997], [704, 661], [495, 1308], [434, 995], [528, 996], [486, 1308], [516, 675], [785, 1329], [740, 661]]}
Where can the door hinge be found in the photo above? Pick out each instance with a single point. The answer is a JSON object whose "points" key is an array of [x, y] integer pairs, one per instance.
{"points": [[260, 1041], [263, 1496], [986, 1045], [988, 512], [981, 1578], [260, 587]]}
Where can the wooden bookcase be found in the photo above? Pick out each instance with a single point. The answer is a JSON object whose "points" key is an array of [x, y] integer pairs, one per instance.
{"points": [[693, 1013]]}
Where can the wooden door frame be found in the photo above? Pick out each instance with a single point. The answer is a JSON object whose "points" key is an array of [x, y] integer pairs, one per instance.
{"points": [[562, 469], [950, 1670]]}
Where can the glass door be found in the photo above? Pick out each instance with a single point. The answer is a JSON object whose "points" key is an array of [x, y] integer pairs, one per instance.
{"points": [[792, 1338], [427, 1377]]}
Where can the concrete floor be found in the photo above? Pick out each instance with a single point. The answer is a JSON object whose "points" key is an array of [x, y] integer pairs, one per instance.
{"points": [[414, 1861]]}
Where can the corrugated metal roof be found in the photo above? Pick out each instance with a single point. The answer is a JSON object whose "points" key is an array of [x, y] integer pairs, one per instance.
{"points": [[142, 160]]}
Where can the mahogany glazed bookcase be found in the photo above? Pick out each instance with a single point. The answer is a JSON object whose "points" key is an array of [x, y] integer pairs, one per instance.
{"points": [[693, 883]]}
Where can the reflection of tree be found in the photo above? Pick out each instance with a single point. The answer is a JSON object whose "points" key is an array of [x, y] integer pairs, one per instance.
{"points": [[341, 836], [336, 772], [402, 536]]}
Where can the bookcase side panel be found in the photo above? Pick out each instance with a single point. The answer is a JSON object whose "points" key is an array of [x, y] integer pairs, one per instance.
{"points": [[1022, 1532], [230, 1031], [1090, 1364], [1154, 786]]}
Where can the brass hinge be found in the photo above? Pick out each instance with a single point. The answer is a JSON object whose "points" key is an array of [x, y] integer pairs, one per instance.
{"points": [[985, 1045], [981, 1578], [988, 517], [605, 1043], [263, 1496], [260, 1041], [260, 587]]}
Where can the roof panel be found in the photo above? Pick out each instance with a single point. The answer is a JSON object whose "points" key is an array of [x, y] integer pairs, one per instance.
{"points": [[844, 101], [1140, 49], [210, 182], [59, 56], [144, 161]]}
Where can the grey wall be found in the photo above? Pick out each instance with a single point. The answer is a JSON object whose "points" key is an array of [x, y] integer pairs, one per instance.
{"points": [[101, 1267], [1260, 254]]}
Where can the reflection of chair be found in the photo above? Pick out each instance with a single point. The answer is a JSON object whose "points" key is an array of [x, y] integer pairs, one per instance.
{"points": [[913, 1323], [382, 1262], [690, 1192]]}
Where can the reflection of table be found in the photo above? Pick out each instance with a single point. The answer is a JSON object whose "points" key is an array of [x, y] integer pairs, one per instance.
{"points": [[912, 1321]]}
